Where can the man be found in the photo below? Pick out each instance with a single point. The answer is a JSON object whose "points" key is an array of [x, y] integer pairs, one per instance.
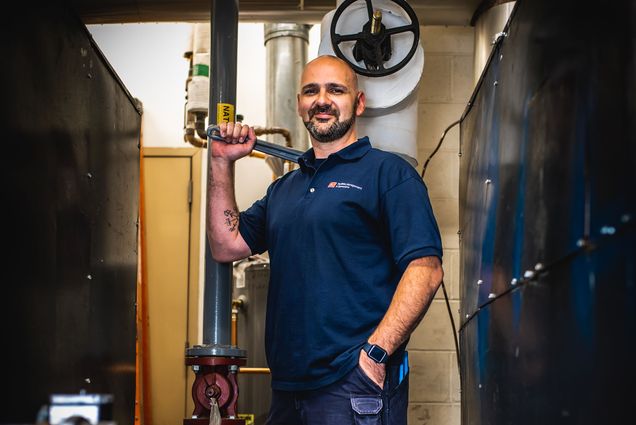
{"points": [[355, 259]]}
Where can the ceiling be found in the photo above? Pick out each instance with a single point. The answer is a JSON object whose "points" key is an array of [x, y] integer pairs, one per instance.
{"points": [[429, 12]]}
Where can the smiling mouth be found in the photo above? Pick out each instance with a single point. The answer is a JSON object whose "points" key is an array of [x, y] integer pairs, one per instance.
{"points": [[323, 117]]}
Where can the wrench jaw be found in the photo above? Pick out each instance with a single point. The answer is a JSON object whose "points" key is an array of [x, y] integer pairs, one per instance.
{"points": [[214, 133]]}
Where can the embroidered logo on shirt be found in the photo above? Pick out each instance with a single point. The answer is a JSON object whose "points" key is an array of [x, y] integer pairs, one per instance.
{"points": [[338, 185]]}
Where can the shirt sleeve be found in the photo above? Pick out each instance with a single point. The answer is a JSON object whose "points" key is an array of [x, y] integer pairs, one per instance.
{"points": [[252, 225], [411, 225]]}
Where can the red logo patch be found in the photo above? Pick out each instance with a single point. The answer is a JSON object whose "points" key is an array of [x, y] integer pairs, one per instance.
{"points": [[332, 184]]}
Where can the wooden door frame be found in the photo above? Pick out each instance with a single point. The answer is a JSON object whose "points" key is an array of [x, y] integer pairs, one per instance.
{"points": [[194, 296]]}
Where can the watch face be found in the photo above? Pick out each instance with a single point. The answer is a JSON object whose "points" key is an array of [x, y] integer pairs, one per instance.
{"points": [[377, 354]]}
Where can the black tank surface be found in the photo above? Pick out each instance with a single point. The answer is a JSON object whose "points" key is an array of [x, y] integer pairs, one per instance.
{"points": [[70, 178], [547, 218]]}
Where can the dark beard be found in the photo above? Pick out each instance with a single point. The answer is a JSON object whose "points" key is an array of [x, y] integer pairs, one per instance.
{"points": [[336, 130]]}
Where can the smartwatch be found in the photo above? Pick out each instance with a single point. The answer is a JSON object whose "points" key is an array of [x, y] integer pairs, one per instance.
{"points": [[376, 353]]}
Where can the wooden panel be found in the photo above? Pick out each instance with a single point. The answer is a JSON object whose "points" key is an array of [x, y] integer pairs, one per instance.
{"points": [[167, 182], [195, 303]]}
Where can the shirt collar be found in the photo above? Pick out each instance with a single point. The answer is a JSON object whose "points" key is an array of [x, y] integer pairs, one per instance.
{"points": [[354, 151]]}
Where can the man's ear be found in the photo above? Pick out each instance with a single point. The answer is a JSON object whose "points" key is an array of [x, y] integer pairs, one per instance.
{"points": [[360, 103]]}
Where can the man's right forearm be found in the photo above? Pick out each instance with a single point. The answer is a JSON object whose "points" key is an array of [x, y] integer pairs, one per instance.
{"points": [[222, 213]]}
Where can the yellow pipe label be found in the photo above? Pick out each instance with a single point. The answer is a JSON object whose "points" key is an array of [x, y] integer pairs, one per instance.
{"points": [[224, 113]]}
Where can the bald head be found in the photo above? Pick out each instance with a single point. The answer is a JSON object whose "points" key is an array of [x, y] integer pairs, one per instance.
{"points": [[325, 66]]}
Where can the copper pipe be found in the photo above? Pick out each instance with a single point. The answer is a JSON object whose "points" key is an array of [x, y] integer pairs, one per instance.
{"points": [[259, 155], [255, 370], [237, 304], [233, 337], [194, 126], [275, 130], [190, 136]]}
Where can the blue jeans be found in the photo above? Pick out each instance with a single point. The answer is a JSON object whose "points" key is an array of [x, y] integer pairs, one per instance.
{"points": [[355, 399]]}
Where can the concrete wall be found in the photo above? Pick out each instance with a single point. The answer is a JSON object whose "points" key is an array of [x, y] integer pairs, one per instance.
{"points": [[444, 91]]}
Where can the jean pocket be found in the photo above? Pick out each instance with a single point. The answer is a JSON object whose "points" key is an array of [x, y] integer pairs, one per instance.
{"points": [[366, 379], [398, 402], [367, 410], [397, 386]]}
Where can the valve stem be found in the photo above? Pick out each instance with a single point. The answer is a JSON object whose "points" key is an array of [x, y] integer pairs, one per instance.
{"points": [[376, 20]]}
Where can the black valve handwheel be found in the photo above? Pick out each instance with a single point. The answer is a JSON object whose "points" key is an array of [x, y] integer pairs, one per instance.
{"points": [[375, 40]]}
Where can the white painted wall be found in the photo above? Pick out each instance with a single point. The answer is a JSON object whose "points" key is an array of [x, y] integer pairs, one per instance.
{"points": [[149, 60]]}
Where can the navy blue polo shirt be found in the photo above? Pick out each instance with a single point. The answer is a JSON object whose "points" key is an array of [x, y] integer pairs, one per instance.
{"points": [[339, 234]]}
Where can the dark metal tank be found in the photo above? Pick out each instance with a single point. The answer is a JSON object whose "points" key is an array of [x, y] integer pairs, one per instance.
{"points": [[547, 220], [70, 189]]}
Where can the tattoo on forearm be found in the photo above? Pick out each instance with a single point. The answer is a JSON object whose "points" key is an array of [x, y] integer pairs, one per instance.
{"points": [[231, 219]]}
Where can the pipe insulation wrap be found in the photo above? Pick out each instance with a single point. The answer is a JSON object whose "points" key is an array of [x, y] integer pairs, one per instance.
{"points": [[201, 38], [384, 92], [394, 131], [198, 92], [199, 84]]}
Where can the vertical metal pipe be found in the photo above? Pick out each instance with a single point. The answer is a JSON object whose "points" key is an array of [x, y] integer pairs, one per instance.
{"points": [[286, 47], [217, 303]]}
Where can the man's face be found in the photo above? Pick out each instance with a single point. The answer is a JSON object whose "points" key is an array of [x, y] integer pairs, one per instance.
{"points": [[328, 101]]}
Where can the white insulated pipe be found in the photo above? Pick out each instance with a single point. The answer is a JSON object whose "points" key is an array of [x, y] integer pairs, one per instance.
{"points": [[391, 117], [199, 84]]}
